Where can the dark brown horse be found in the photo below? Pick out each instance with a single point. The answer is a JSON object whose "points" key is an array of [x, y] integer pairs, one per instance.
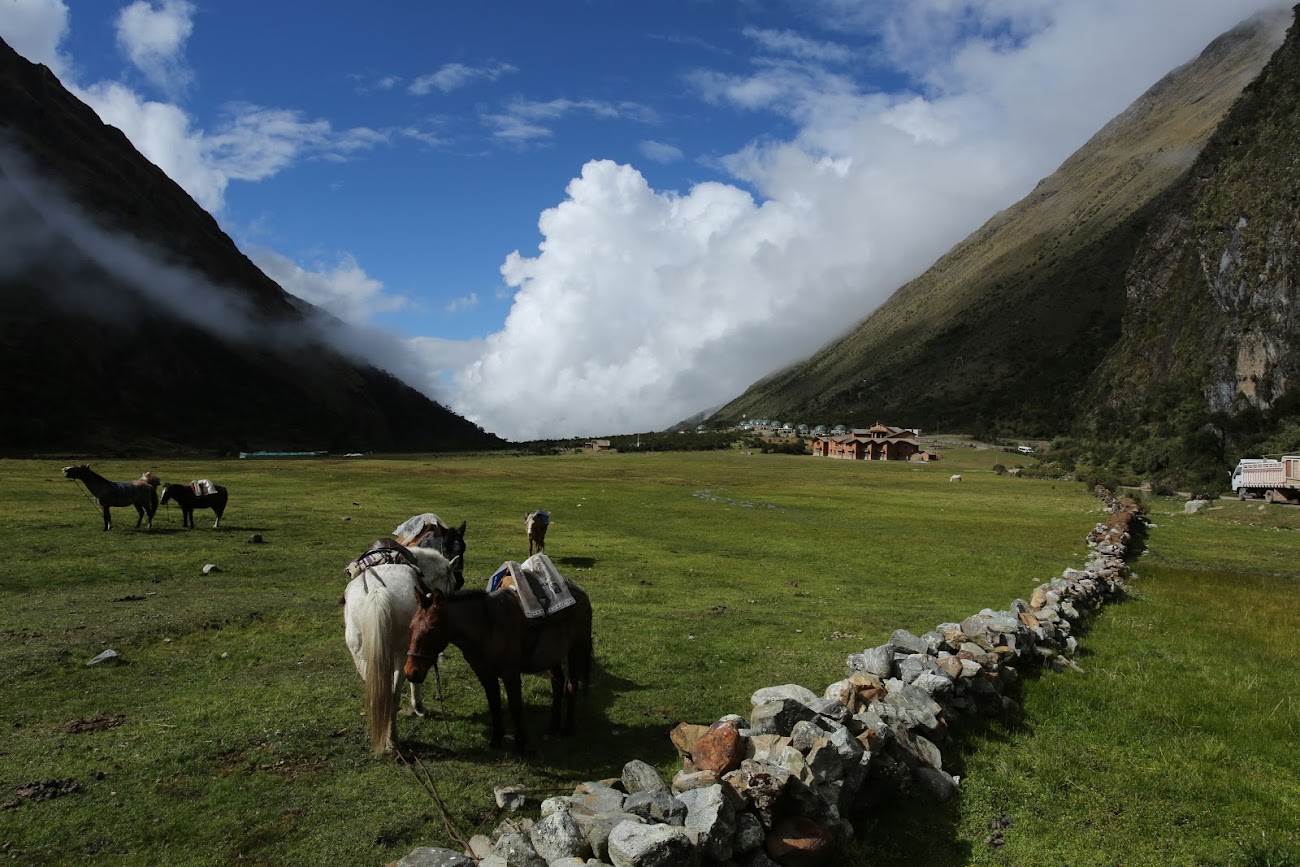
{"points": [[428, 531], [189, 499], [141, 493], [501, 644]]}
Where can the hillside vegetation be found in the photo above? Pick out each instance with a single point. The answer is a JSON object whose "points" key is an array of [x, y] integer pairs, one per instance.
{"points": [[1004, 331], [1208, 367]]}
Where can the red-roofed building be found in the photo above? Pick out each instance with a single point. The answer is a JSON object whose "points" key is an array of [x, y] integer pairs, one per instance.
{"points": [[880, 442]]}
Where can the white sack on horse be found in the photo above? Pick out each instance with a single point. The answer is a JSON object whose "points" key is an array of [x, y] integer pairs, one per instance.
{"points": [[541, 588]]}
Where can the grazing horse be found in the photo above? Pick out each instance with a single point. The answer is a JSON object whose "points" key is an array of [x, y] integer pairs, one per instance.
{"points": [[141, 493], [501, 644], [428, 531], [377, 608], [535, 524], [189, 499]]}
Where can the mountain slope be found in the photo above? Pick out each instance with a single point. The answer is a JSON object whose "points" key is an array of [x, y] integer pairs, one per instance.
{"points": [[130, 322], [1208, 366], [1003, 330]]}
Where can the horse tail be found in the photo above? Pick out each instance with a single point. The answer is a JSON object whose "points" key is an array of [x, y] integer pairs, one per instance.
{"points": [[377, 650]]}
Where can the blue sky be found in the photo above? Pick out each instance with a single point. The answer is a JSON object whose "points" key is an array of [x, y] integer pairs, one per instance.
{"points": [[584, 218]]}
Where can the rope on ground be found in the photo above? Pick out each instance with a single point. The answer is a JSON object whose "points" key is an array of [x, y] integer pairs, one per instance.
{"points": [[426, 783]]}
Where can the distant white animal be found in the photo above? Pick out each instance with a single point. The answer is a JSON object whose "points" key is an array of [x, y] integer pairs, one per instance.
{"points": [[954, 478]]}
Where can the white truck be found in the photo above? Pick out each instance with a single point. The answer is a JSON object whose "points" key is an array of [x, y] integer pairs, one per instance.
{"points": [[1275, 481]]}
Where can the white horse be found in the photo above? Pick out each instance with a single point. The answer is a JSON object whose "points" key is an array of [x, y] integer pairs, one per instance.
{"points": [[377, 609]]}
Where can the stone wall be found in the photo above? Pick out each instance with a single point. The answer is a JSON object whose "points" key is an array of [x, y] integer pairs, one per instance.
{"points": [[774, 788]]}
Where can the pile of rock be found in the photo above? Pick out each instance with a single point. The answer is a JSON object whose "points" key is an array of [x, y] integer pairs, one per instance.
{"points": [[774, 788]]}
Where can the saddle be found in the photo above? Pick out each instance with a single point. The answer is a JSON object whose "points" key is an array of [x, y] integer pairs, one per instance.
{"points": [[203, 487], [538, 585], [383, 552]]}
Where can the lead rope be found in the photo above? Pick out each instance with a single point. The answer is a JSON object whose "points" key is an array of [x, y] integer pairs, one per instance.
{"points": [[426, 783]]}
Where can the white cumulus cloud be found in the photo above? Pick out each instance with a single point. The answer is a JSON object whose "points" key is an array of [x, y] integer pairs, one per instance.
{"points": [[641, 307], [152, 35]]}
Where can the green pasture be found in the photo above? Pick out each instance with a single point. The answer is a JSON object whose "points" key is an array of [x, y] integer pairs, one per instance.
{"points": [[230, 727]]}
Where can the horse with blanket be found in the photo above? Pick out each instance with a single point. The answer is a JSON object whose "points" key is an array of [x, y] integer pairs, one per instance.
{"points": [[198, 494], [429, 531], [528, 620]]}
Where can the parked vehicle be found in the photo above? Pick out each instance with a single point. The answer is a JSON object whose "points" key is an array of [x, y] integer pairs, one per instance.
{"points": [[1275, 481], [1025, 450]]}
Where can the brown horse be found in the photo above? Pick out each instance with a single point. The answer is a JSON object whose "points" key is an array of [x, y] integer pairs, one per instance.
{"points": [[141, 493], [428, 531], [501, 644], [535, 524], [187, 497]]}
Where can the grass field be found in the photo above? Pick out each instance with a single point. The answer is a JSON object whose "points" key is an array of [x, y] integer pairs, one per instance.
{"points": [[230, 728]]}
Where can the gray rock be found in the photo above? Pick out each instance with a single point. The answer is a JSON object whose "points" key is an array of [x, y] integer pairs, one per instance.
{"points": [[633, 845], [658, 805], [711, 814], [104, 657], [936, 783], [597, 798], [749, 836], [431, 856], [779, 716], [559, 836], [874, 660], [639, 776], [794, 691], [596, 828], [804, 734], [516, 850], [510, 798], [906, 642]]}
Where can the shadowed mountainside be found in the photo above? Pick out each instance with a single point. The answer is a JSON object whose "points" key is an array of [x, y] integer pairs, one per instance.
{"points": [[1003, 332], [129, 322]]}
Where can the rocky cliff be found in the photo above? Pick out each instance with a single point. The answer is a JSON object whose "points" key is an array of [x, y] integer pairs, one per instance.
{"points": [[1004, 332]]}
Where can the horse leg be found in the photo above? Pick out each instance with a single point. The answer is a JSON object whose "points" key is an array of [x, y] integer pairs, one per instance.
{"points": [[557, 695], [515, 695], [417, 700], [139, 516], [108, 522], [493, 691]]}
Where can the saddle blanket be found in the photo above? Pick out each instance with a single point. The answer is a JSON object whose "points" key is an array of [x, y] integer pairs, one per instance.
{"points": [[382, 553], [539, 585], [203, 487], [420, 529]]}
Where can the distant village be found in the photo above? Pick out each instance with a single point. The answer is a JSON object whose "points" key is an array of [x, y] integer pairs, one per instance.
{"points": [[880, 442]]}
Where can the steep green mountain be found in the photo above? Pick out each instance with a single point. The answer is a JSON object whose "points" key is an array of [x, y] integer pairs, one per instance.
{"points": [[1005, 330], [129, 322], [1207, 369]]}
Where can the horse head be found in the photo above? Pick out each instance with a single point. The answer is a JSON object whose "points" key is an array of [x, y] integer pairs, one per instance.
{"points": [[429, 633], [76, 472], [167, 494]]}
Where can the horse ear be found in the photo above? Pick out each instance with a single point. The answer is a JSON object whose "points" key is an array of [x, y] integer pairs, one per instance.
{"points": [[462, 527], [421, 597]]}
